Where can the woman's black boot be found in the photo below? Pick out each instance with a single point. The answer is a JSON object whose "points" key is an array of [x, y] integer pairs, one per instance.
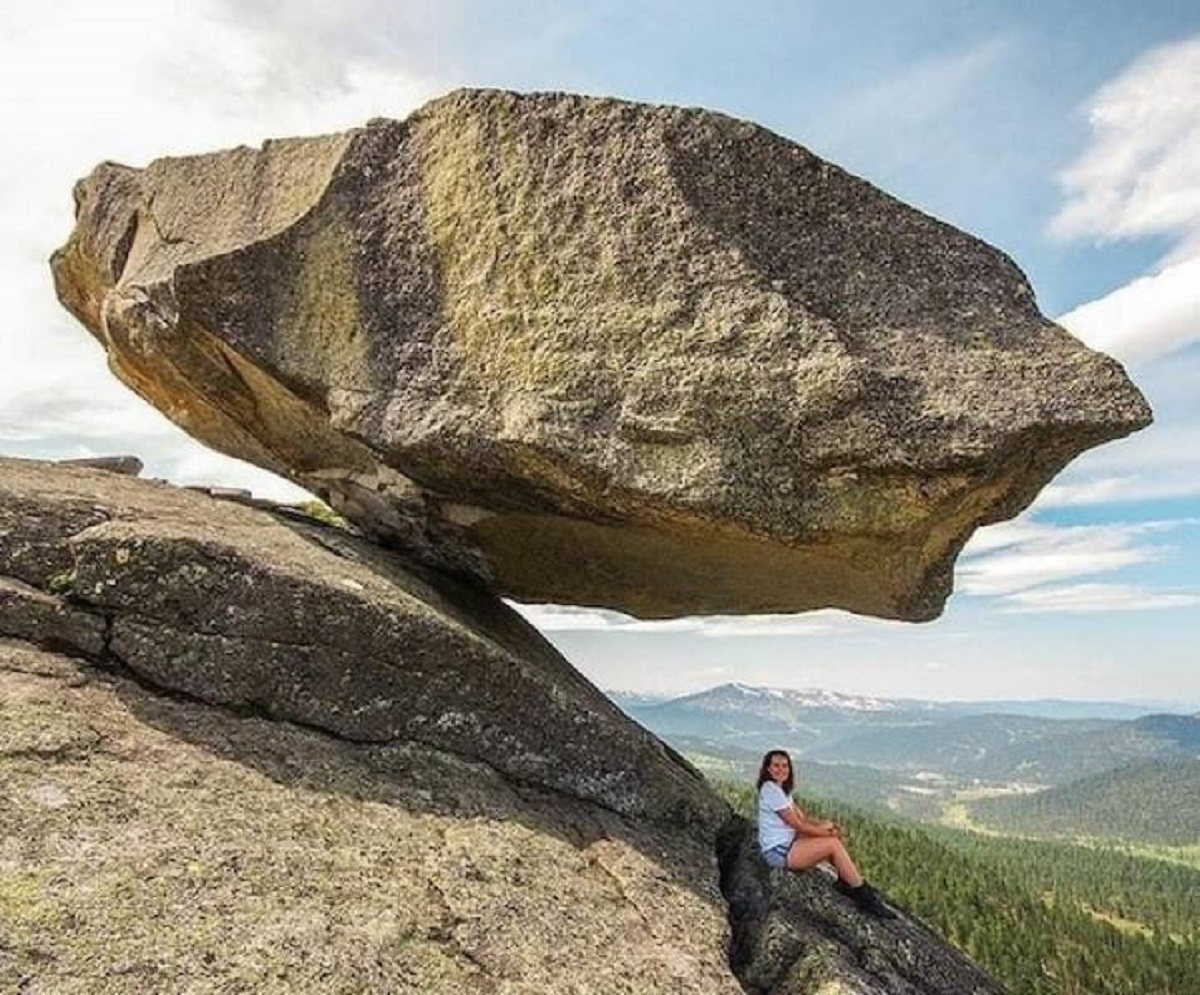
{"points": [[867, 899]]}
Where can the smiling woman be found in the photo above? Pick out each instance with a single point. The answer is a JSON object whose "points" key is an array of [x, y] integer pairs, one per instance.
{"points": [[788, 839]]}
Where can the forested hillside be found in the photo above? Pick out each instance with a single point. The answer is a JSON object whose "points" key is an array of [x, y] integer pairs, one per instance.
{"points": [[1011, 747], [1157, 802], [1045, 919]]}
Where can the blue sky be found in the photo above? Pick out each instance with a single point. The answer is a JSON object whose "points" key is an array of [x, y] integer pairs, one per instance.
{"points": [[1067, 134]]}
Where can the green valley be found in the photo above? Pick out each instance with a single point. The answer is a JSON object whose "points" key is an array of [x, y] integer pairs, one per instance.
{"points": [[1059, 848], [1151, 803]]}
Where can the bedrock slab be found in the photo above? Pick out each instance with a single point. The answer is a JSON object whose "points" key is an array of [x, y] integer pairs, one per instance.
{"points": [[242, 750], [286, 617]]}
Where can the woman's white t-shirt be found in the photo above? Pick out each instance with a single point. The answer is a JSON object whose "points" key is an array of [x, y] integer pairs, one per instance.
{"points": [[772, 830]]}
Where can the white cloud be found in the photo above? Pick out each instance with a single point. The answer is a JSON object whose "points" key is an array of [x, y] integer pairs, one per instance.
{"points": [[1149, 318], [821, 623], [132, 81], [1163, 463], [1020, 566], [102, 419], [1111, 490], [1097, 598], [197, 465], [1002, 535], [1038, 553], [1139, 176], [561, 618]]}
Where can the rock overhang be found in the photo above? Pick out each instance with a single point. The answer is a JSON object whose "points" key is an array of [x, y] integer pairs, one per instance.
{"points": [[593, 352]]}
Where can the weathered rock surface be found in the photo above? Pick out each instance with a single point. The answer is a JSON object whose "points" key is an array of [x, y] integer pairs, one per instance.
{"points": [[234, 606], [157, 845], [244, 752], [795, 935], [595, 352], [129, 465]]}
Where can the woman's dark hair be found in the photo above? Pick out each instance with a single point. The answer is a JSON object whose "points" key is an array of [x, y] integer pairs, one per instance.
{"points": [[764, 776]]}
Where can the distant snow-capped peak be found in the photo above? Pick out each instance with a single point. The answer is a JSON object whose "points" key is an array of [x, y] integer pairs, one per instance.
{"points": [[814, 698]]}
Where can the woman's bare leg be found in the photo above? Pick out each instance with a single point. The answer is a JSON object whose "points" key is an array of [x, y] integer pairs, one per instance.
{"points": [[808, 851]]}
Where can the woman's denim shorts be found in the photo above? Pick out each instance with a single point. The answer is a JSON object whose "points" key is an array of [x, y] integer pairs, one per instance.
{"points": [[777, 856]]}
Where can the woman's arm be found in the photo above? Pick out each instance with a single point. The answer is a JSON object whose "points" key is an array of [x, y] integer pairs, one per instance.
{"points": [[796, 818]]}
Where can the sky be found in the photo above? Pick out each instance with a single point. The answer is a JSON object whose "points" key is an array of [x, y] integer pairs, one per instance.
{"points": [[1066, 133]]}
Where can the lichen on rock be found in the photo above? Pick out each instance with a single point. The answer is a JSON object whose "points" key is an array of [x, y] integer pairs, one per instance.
{"points": [[157, 844]]}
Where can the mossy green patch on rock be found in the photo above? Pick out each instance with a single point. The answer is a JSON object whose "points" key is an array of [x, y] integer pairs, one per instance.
{"points": [[25, 905], [62, 582]]}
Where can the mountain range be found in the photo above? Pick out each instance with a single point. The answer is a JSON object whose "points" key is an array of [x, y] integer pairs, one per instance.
{"points": [[898, 752], [743, 696]]}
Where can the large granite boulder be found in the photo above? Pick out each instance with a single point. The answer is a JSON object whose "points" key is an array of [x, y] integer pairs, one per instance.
{"points": [[594, 352]]}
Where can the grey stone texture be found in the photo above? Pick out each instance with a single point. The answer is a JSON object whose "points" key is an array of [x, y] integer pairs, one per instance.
{"points": [[241, 750], [298, 620], [794, 934], [595, 352]]}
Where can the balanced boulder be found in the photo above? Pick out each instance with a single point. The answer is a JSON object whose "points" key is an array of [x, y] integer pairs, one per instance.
{"points": [[595, 352]]}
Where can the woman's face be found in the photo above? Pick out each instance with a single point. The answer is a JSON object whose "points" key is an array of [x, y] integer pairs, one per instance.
{"points": [[779, 769]]}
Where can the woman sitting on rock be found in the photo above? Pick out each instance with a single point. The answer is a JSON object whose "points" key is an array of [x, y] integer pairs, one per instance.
{"points": [[788, 838]]}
